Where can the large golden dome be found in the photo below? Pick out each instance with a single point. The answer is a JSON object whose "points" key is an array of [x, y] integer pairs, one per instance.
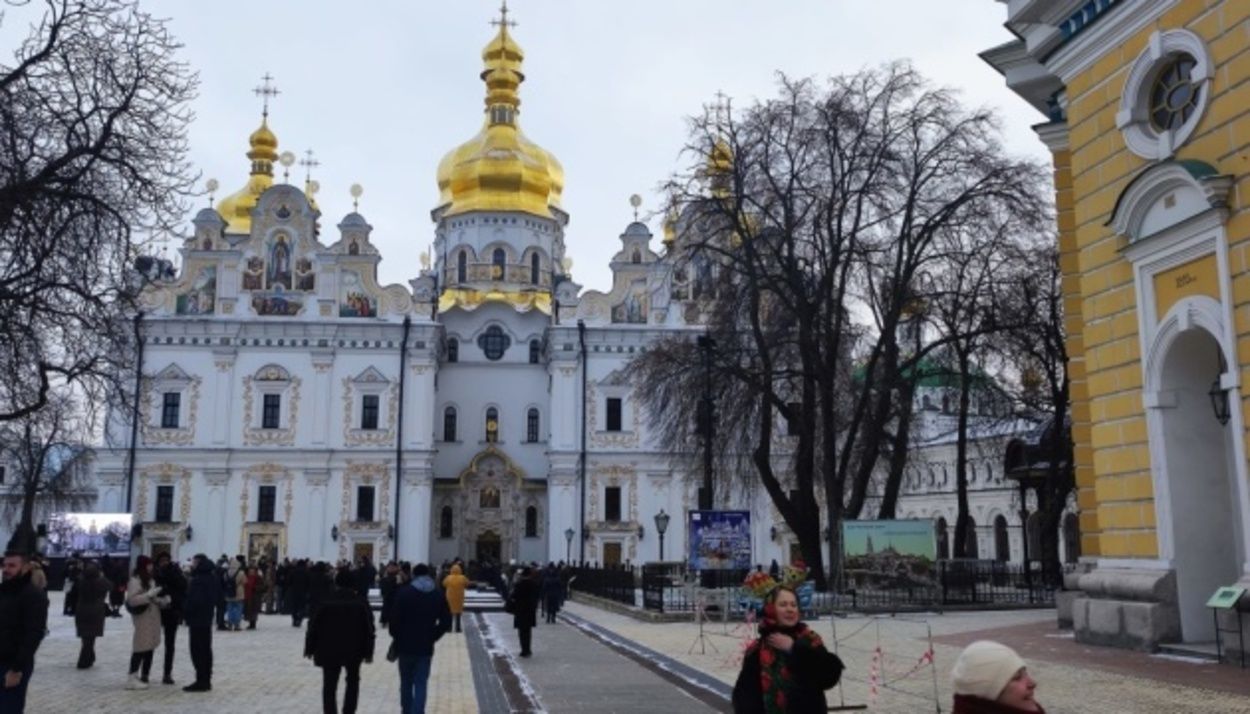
{"points": [[500, 169], [237, 207]]}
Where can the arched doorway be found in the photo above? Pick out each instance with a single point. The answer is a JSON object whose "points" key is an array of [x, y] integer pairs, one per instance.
{"points": [[1002, 542], [1200, 493], [489, 547]]}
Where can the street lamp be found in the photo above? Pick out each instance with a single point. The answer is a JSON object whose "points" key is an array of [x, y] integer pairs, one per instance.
{"points": [[189, 532], [334, 532], [1217, 393], [568, 545], [661, 525]]}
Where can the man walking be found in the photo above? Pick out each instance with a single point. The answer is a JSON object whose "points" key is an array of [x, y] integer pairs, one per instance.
{"points": [[419, 617], [23, 620], [339, 638], [202, 594], [174, 586]]}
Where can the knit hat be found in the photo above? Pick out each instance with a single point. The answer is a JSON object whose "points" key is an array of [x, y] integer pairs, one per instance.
{"points": [[984, 668]]}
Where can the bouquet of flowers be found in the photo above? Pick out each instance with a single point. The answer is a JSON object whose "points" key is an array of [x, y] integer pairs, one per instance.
{"points": [[794, 574], [758, 585]]}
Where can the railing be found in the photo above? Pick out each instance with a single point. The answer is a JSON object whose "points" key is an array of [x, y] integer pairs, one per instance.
{"points": [[670, 588]]}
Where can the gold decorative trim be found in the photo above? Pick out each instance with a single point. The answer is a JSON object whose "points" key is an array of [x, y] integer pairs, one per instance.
{"points": [[256, 436], [469, 300], [157, 436], [365, 473], [267, 474], [369, 437], [608, 439], [163, 474]]}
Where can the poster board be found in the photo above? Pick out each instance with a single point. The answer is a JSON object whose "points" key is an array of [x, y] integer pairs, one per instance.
{"points": [[1226, 598], [718, 540], [88, 534], [889, 554]]}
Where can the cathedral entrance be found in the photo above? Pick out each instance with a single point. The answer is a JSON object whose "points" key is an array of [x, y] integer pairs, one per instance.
{"points": [[489, 547], [1199, 476], [362, 550]]}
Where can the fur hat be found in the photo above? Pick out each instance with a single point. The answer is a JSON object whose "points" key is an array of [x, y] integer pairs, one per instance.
{"points": [[984, 668]]}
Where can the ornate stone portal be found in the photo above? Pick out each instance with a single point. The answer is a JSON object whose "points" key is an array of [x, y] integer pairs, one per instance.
{"points": [[490, 507]]}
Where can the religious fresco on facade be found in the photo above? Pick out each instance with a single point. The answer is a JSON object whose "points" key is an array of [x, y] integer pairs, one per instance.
{"points": [[278, 271], [353, 300], [305, 279], [202, 296], [277, 302], [254, 274], [633, 310]]}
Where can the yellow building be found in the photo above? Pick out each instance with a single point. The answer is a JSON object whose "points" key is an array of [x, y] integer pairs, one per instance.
{"points": [[1148, 118]]}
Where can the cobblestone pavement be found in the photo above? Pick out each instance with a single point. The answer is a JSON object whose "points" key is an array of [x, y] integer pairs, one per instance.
{"points": [[906, 683], [256, 671]]}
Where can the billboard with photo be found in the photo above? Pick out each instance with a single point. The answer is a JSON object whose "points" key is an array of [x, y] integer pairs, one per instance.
{"points": [[719, 539], [889, 554], [88, 534]]}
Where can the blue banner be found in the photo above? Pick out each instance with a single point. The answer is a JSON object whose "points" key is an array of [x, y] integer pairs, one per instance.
{"points": [[719, 539]]}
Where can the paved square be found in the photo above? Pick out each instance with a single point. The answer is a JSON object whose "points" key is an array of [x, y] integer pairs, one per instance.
{"points": [[258, 671]]}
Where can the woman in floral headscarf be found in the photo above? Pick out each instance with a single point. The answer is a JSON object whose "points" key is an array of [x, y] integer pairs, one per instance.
{"points": [[788, 668]]}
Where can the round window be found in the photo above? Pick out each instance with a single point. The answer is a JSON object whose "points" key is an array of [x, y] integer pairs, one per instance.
{"points": [[494, 342], [1174, 94]]}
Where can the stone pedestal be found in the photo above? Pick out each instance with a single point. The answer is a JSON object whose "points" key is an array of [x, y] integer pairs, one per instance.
{"points": [[1132, 609]]}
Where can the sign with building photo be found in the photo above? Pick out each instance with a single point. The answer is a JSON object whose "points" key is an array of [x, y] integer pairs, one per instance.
{"points": [[88, 534], [1226, 597], [719, 540], [889, 554]]}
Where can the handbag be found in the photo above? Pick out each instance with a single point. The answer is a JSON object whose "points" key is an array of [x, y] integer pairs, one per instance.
{"points": [[136, 609], [392, 652]]}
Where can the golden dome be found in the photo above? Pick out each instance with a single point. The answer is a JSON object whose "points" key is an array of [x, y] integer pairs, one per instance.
{"points": [[500, 169], [237, 207]]}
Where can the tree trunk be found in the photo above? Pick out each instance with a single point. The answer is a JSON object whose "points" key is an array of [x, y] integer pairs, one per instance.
{"points": [[898, 451], [962, 534]]}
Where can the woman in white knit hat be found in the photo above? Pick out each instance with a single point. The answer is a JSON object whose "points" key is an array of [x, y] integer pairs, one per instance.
{"points": [[990, 678]]}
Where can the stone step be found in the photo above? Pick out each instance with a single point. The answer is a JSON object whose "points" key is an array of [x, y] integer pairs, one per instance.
{"points": [[1194, 650], [483, 601]]}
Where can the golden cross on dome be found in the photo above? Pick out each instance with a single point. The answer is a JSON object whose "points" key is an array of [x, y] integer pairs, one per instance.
{"points": [[503, 20], [266, 91], [309, 163]]}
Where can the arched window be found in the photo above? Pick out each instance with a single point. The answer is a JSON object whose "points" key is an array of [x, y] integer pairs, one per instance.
{"points": [[636, 257], [531, 426], [499, 260], [1071, 538], [943, 541], [534, 265], [531, 522], [453, 350], [462, 267], [449, 424], [492, 425], [536, 351], [1002, 543], [445, 522]]}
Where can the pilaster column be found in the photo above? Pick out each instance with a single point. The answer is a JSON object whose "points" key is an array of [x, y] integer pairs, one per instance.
{"points": [[316, 536], [222, 394], [419, 406], [414, 517], [323, 367], [217, 519], [565, 398]]}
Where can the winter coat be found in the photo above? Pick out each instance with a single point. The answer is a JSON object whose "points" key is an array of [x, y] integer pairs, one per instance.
{"points": [[454, 585], [203, 592], [815, 670], [296, 591], [553, 589], [253, 589], [173, 586], [342, 632], [147, 623], [524, 600], [366, 575], [235, 576], [38, 578], [23, 620], [419, 617], [90, 613], [965, 704], [319, 586]]}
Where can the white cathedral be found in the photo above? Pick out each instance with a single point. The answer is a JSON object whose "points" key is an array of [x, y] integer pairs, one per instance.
{"points": [[291, 406]]}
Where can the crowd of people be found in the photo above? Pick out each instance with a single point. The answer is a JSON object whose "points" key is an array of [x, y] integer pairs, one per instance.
{"points": [[786, 669]]}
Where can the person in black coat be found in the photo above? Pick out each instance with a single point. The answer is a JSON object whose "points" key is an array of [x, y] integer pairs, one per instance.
{"points": [[523, 604], [788, 668], [297, 591], [203, 592], [387, 585], [366, 576], [23, 621], [173, 585], [552, 590], [320, 583], [73, 570], [420, 616], [90, 611], [339, 638]]}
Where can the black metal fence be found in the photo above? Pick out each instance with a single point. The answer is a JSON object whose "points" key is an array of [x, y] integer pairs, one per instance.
{"points": [[670, 588]]}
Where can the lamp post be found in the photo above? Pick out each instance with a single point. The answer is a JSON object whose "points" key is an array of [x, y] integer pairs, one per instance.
{"points": [[568, 544], [707, 421], [1217, 393], [661, 525]]}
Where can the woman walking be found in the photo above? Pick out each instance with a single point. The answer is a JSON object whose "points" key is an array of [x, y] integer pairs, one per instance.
{"points": [[454, 586], [523, 604], [90, 611], [143, 602], [788, 668]]}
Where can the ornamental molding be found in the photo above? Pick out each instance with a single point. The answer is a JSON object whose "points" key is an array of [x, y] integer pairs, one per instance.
{"points": [[353, 436], [1109, 33], [365, 473], [1133, 117], [255, 435], [164, 474], [268, 474], [609, 439], [153, 388]]}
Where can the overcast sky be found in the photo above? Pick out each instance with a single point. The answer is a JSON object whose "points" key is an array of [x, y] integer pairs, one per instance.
{"points": [[380, 91]]}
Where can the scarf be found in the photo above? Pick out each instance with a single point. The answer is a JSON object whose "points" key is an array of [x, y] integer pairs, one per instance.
{"points": [[777, 679], [965, 704]]}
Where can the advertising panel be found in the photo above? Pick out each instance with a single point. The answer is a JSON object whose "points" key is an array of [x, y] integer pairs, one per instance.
{"points": [[889, 554], [719, 539], [88, 534]]}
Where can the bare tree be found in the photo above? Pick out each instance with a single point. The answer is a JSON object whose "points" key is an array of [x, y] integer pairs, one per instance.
{"points": [[93, 118], [815, 209], [44, 450]]}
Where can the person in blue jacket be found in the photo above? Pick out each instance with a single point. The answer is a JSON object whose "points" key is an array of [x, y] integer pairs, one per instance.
{"points": [[418, 618]]}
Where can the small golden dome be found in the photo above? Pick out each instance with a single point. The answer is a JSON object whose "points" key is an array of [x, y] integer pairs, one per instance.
{"points": [[237, 207], [499, 169]]}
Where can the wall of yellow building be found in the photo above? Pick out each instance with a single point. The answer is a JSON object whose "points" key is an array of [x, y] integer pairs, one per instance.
{"points": [[1109, 425]]}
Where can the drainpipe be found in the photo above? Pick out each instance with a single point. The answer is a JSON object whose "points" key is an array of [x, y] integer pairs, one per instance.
{"points": [[134, 413], [399, 434], [581, 464]]}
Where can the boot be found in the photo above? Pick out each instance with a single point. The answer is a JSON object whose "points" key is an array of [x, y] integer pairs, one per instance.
{"points": [[135, 683]]}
